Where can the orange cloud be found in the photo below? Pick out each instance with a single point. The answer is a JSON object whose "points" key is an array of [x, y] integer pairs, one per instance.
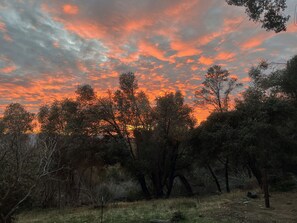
{"points": [[252, 43], [70, 9], [246, 80], [128, 36], [257, 40], [225, 56], [206, 60], [129, 58], [203, 40], [181, 7], [150, 49], [234, 76], [136, 25], [85, 29], [229, 25], [184, 49], [112, 74], [82, 67], [194, 68], [190, 61], [201, 114]]}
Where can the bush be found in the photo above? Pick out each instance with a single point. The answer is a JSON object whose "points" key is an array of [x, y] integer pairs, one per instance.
{"points": [[284, 183]]}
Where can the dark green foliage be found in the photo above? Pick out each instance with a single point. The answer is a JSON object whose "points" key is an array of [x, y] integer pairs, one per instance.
{"points": [[267, 12], [283, 183], [289, 78], [260, 134]]}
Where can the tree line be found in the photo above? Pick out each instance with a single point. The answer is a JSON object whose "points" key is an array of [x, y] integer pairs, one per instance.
{"points": [[156, 144]]}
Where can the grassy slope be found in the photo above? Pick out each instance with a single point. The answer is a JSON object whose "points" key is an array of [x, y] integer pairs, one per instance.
{"points": [[232, 207]]}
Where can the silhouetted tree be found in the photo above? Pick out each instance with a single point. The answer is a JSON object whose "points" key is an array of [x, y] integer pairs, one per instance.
{"points": [[214, 140], [168, 154], [216, 89], [124, 112], [288, 79], [263, 134], [270, 13], [23, 160], [268, 122], [76, 124]]}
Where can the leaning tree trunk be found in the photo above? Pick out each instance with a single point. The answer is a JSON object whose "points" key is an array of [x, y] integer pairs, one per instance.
{"points": [[227, 175], [265, 188], [142, 182], [172, 170], [215, 178], [186, 184], [169, 186], [255, 170]]}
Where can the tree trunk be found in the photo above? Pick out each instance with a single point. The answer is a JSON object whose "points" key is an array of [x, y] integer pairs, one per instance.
{"points": [[169, 186], [186, 184], [91, 178], [265, 188], [227, 175], [249, 172], [256, 171], [158, 187], [171, 180], [59, 194], [5, 219], [215, 178], [172, 168], [142, 182]]}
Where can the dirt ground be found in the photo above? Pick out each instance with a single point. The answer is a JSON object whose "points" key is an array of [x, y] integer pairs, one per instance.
{"points": [[283, 209]]}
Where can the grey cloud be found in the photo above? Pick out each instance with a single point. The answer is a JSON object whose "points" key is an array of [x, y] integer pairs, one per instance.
{"points": [[42, 47], [34, 34]]}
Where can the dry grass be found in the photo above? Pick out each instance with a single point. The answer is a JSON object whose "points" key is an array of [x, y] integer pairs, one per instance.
{"points": [[233, 207]]}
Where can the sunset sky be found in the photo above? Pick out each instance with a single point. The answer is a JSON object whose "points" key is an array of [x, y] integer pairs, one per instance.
{"points": [[49, 47]]}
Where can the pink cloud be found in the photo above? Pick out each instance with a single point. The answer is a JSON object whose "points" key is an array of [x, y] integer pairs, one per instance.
{"points": [[70, 9], [8, 69]]}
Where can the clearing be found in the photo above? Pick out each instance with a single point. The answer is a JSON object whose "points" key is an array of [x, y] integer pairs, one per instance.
{"points": [[234, 207]]}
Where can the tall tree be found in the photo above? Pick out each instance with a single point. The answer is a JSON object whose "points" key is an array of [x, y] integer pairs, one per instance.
{"points": [[214, 140], [216, 89], [150, 135], [268, 124], [23, 161], [124, 113], [265, 141], [172, 122], [77, 125]]}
